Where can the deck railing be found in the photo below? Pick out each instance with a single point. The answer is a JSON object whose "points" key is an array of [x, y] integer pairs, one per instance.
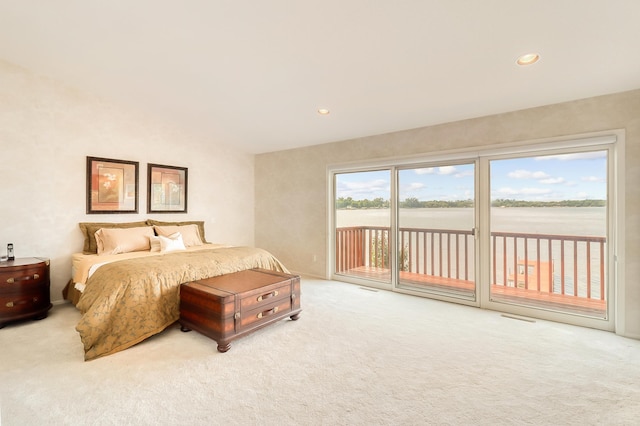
{"points": [[554, 264], [362, 246]]}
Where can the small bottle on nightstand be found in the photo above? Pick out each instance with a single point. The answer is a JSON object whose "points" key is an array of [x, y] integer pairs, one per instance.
{"points": [[10, 255]]}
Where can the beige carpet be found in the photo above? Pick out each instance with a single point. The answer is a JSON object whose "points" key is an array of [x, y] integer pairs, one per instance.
{"points": [[355, 357]]}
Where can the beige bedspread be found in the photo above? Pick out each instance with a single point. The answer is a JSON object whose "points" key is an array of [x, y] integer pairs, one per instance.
{"points": [[128, 301]]}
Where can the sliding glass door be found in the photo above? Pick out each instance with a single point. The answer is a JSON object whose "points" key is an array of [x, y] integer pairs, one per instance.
{"points": [[526, 230], [362, 225], [436, 218], [549, 232]]}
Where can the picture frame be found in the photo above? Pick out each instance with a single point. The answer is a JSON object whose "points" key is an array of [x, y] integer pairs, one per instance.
{"points": [[167, 189], [112, 186]]}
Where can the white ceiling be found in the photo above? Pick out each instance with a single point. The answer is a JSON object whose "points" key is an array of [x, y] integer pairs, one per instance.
{"points": [[253, 73]]}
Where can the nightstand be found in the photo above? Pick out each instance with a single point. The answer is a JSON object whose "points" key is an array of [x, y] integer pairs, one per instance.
{"points": [[24, 289]]}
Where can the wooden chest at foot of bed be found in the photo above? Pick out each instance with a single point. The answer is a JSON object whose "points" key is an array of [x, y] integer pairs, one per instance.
{"points": [[229, 306]]}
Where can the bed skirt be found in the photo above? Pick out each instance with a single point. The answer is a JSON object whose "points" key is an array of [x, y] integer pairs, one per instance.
{"points": [[70, 293]]}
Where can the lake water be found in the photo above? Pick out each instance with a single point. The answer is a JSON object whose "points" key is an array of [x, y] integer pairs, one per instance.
{"points": [[582, 221]]}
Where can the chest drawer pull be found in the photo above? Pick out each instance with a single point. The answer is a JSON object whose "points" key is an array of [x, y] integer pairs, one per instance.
{"points": [[268, 295], [269, 312]]}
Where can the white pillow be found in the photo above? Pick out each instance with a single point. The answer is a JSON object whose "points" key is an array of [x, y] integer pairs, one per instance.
{"points": [[123, 240], [171, 243], [190, 233]]}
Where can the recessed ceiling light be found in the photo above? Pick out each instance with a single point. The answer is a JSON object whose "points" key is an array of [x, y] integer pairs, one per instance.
{"points": [[528, 59], [323, 111]]}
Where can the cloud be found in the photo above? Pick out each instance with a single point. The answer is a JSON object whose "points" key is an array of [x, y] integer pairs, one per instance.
{"points": [[535, 191], [464, 174], [526, 174], [552, 181], [446, 170], [592, 179], [507, 191], [360, 190], [425, 171], [523, 191], [575, 156]]}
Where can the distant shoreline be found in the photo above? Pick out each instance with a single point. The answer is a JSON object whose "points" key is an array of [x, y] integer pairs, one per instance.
{"points": [[414, 203]]}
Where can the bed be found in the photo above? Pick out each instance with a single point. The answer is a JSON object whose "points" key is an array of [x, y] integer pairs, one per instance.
{"points": [[126, 296]]}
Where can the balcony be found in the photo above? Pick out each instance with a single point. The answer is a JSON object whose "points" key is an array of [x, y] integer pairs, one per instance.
{"points": [[557, 272]]}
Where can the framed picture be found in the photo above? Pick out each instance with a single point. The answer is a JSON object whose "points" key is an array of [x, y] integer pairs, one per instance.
{"points": [[112, 186], [167, 192]]}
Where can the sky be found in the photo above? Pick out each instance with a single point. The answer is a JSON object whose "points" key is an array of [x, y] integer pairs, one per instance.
{"points": [[579, 176]]}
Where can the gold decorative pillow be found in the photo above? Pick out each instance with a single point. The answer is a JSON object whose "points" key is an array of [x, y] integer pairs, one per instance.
{"points": [[200, 224], [89, 230], [123, 240], [155, 244]]}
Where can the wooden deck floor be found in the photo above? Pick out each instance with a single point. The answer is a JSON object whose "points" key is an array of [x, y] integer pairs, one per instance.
{"points": [[499, 293]]}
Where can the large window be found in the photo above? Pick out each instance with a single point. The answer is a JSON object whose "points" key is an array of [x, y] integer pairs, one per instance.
{"points": [[525, 230]]}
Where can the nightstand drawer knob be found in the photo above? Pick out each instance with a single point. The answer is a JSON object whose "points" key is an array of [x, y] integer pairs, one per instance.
{"points": [[26, 278], [20, 302]]}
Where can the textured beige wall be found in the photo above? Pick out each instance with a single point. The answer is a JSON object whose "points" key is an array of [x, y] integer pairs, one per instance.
{"points": [[46, 132], [291, 187]]}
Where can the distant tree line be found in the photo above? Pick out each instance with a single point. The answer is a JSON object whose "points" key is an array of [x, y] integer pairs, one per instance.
{"points": [[350, 203], [414, 203], [563, 203]]}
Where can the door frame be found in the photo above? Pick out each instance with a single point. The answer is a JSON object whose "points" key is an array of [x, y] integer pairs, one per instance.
{"points": [[614, 146]]}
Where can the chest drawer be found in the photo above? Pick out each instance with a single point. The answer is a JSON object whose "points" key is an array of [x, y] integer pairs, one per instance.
{"points": [[265, 298], [265, 313]]}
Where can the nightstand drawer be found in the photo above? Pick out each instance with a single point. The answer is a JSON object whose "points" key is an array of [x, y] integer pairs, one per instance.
{"points": [[24, 289], [22, 276], [22, 303]]}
